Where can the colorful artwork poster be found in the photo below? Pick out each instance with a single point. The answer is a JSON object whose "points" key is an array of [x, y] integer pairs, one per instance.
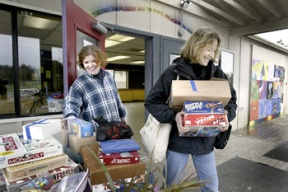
{"points": [[282, 74], [269, 107], [266, 91], [254, 110], [262, 108], [269, 94], [262, 87], [254, 90]]}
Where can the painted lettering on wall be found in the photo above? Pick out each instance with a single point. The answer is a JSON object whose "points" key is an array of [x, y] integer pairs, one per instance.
{"points": [[146, 9]]}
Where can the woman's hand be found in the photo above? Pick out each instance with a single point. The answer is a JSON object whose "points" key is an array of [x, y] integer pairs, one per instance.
{"points": [[180, 124], [222, 129], [64, 122], [123, 120]]}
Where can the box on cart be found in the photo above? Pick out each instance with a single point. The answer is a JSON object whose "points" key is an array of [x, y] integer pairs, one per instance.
{"points": [[79, 127], [129, 157], [17, 172], [58, 173], [117, 172], [18, 151], [119, 145], [41, 129], [75, 142]]}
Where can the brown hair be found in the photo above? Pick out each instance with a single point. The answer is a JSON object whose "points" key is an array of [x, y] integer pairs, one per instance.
{"points": [[197, 41], [100, 56]]}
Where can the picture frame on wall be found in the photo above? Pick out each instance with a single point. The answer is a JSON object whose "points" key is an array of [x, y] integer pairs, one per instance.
{"points": [[226, 63]]}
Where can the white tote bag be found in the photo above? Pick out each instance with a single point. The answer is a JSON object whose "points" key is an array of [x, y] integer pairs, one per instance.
{"points": [[155, 138]]}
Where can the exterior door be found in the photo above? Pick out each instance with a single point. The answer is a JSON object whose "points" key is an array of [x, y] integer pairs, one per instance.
{"points": [[77, 32], [171, 50]]}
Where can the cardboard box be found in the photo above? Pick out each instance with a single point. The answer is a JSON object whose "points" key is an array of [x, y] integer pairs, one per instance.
{"points": [[117, 172], [131, 157], [104, 187], [41, 129], [190, 90], [28, 169], [19, 151], [58, 173], [86, 154], [75, 142], [80, 127]]}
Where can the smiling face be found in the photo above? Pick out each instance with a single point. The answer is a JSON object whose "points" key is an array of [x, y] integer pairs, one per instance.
{"points": [[206, 54], [91, 65]]}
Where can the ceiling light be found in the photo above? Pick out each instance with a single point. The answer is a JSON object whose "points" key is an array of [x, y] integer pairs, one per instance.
{"points": [[120, 38], [39, 23], [138, 62], [117, 58], [117, 39], [110, 43]]}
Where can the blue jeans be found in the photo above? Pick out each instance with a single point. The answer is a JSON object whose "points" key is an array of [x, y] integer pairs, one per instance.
{"points": [[205, 167]]}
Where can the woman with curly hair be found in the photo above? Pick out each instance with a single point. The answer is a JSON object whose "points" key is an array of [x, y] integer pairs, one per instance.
{"points": [[94, 93]]}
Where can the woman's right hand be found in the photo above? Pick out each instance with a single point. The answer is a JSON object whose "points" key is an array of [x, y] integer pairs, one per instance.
{"points": [[64, 122], [180, 123]]}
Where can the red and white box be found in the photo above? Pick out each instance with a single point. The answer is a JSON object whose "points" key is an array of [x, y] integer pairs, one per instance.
{"points": [[17, 151], [203, 118], [58, 173], [41, 129], [131, 157]]}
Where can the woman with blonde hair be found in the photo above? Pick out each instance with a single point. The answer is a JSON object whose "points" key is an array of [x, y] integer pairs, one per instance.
{"points": [[195, 63]]}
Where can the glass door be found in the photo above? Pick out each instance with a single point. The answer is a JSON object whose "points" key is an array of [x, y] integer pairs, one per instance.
{"points": [[77, 32]]}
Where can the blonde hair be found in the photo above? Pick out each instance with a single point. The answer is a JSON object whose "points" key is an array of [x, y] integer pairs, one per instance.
{"points": [[198, 41], [100, 56]]}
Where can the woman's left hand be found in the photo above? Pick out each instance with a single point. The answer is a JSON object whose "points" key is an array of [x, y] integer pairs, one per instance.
{"points": [[222, 129], [123, 120]]}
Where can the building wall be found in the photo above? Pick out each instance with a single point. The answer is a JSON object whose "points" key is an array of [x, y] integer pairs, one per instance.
{"points": [[158, 18]]}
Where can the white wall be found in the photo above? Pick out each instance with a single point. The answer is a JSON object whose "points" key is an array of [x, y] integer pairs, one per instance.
{"points": [[243, 48]]}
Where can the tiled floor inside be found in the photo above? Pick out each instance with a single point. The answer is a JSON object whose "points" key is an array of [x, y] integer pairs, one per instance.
{"points": [[250, 143]]}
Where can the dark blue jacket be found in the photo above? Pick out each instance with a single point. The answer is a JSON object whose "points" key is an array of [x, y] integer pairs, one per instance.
{"points": [[156, 104]]}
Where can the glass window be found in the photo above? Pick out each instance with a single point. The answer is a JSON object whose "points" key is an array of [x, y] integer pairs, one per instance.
{"points": [[7, 101], [121, 79], [40, 62], [31, 64]]}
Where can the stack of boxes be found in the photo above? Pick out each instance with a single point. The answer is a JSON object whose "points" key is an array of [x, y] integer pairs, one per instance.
{"points": [[25, 155], [121, 159], [203, 103], [76, 133], [203, 118]]}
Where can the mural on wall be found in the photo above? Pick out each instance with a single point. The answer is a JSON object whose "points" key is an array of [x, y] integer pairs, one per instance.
{"points": [[266, 94]]}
